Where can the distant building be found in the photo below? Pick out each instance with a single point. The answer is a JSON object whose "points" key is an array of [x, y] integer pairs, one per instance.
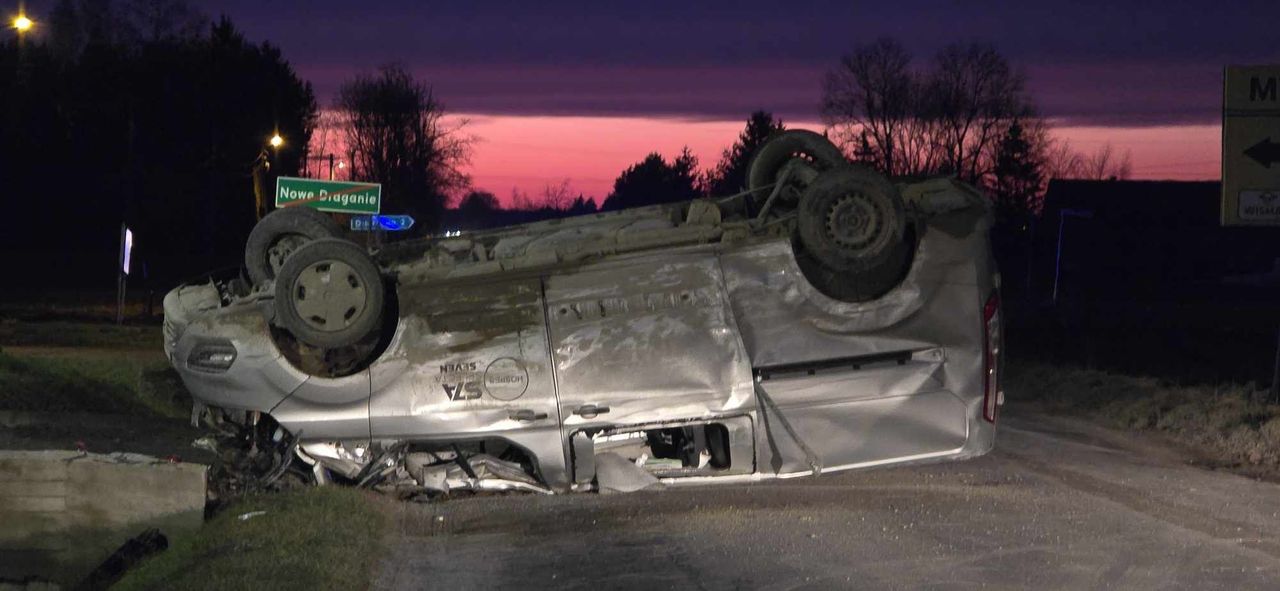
{"points": [[1145, 240]]}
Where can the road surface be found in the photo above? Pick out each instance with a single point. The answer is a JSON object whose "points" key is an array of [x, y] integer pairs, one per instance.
{"points": [[1061, 504]]}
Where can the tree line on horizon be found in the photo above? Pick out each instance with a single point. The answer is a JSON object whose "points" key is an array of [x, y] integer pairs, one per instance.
{"points": [[146, 113], [149, 113], [966, 114]]}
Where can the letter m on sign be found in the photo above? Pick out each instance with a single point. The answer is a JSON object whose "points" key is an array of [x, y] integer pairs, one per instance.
{"points": [[1262, 89]]}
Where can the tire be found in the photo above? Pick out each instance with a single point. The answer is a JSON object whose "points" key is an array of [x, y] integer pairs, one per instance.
{"points": [[782, 148], [863, 286], [851, 219], [329, 294], [280, 233]]}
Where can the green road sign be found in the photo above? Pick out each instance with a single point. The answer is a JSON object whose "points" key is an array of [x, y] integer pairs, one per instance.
{"points": [[335, 196]]}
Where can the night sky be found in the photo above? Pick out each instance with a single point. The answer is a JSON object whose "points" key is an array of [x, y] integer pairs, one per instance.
{"points": [[1089, 62], [535, 78]]}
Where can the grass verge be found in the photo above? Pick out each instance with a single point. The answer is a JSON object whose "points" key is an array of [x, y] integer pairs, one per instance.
{"points": [[99, 381], [1231, 423], [315, 538], [79, 334]]}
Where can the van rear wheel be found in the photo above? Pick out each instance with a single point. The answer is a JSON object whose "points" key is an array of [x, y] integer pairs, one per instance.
{"points": [[279, 234], [854, 239], [860, 286], [851, 218], [794, 144]]}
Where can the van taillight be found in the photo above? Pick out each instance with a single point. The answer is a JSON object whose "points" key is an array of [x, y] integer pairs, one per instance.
{"points": [[991, 357]]}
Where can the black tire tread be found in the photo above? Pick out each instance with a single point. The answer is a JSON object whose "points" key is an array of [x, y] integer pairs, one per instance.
{"points": [[780, 149], [299, 220]]}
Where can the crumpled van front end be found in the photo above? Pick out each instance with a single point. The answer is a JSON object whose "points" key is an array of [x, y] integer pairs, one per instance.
{"points": [[223, 352]]}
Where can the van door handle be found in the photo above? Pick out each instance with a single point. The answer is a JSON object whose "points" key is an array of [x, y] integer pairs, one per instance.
{"points": [[526, 416], [590, 411]]}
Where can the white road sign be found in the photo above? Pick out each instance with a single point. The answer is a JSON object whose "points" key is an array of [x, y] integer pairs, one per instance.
{"points": [[1251, 146]]}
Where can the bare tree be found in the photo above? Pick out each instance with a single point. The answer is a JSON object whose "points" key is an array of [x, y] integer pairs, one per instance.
{"points": [[974, 95], [873, 91], [394, 130], [1061, 161], [949, 119], [521, 201], [558, 197], [1106, 164], [327, 138]]}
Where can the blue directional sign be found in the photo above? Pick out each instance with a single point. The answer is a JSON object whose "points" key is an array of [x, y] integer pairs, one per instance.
{"points": [[392, 223]]}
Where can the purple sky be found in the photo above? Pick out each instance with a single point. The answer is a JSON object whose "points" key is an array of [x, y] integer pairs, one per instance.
{"points": [[1089, 62]]}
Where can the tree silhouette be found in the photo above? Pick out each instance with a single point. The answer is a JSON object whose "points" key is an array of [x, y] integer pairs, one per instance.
{"points": [[653, 180], [1106, 164], [1062, 161], [947, 119], [582, 205], [730, 174], [864, 153], [157, 130], [1018, 176], [394, 130]]}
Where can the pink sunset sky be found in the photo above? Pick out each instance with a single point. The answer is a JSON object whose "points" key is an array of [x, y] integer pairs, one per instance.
{"points": [[530, 152], [559, 91]]}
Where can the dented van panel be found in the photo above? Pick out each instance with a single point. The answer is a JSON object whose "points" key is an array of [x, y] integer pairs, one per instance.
{"points": [[664, 345]]}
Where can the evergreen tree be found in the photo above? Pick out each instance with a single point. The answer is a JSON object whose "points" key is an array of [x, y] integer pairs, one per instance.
{"points": [[582, 205], [730, 174], [653, 180], [1017, 175], [158, 130]]}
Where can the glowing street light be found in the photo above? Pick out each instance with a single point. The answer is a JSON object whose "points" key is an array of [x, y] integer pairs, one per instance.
{"points": [[23, 24], [276, 141]]}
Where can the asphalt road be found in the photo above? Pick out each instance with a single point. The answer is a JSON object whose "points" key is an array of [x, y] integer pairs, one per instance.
{"points": [[1060, 504]]}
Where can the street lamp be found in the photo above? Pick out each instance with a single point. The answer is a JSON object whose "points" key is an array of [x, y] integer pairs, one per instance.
{"points": [[22, 24], [261, 165]]}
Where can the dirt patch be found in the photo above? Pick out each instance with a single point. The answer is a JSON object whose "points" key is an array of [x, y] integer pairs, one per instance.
{"points": [[1230, 425]]}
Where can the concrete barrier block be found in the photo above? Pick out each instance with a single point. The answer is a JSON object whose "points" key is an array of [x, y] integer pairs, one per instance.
{"points": [[65, 511]]}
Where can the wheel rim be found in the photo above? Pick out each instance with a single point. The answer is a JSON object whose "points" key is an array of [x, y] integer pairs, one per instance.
{"points": [[854, 222], [329, 295], [813, 160], [281, 249]]}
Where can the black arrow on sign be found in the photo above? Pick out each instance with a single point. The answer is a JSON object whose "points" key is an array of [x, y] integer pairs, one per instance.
{"points": [[1264, 152]]}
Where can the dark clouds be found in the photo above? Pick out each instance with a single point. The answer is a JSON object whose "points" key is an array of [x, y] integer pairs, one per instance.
{"points": [[1133, 63]]}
